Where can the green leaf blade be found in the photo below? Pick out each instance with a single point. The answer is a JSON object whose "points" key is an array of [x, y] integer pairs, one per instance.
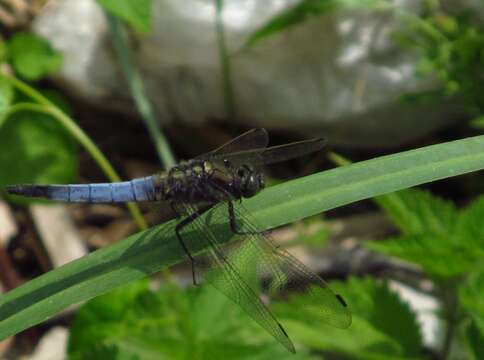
{"points": [[323, 191], [136, 13], [302, 11], [144, 253]]}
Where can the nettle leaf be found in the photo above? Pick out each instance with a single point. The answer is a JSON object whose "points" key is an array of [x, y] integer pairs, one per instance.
{"points": [[171, 323], [434, 231], [36, 149], [471, 297], [416, 211], [302, 11], [32, 57], [137, 13], [431, 252], [469, 226], [383, 325]]}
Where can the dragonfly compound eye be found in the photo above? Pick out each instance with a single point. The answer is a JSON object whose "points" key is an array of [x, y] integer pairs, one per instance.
{"points": [[251, 182]]}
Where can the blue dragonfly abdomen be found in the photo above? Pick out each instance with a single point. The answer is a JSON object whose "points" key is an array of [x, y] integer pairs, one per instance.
{"points": [[140, 189]]}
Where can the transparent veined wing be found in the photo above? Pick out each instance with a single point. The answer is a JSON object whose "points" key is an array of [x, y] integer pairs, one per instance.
{"points": [[271, 155], [228, 271], [236, 270], [250, 140], [286, 272]]}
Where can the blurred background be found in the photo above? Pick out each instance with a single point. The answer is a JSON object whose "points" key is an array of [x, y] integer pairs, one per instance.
{"points": [[143, 84]]}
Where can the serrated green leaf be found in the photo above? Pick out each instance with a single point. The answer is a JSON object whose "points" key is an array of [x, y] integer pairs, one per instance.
{"points": [[379, 304], [436, 233], [137, 13], [430, 252], [104, 352], [146, 252], [469, 226], [417, 211], [32, 57], [36, 149], [169, 324], [302, 11], [470, 296], [372, 334]]}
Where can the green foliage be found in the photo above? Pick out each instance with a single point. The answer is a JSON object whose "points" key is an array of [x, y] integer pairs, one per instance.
{"points": [[32, 57], [136, 13], [303, 11], [149, 251], [371, 335], [478, 122], [470, 295], [170, 323], [448, 245], [7, 94], [310, 232], [417, 211], [451, 48], [35, 149], [434, 232], [200, 323], [475, 342]]}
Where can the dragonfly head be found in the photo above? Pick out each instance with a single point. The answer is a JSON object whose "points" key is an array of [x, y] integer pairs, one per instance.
{"points": [[250, 181]]}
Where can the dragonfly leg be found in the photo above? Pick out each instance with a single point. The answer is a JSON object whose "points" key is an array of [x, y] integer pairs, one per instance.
{"points": [[186, 221], [233, 222]]}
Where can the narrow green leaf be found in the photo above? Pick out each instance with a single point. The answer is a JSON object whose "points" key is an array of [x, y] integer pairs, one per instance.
{"points": [[146, 252], [302, 11], [6, 98], [475, 341], [32, 57], [300, 198], [137, 13]]}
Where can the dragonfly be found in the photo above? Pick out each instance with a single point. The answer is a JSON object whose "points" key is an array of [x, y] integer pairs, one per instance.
{"points": [[215, 184]]}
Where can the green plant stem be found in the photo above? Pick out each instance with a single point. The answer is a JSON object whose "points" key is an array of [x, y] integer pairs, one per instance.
{"points": [[45, 106], [138, 93], [227, 83], [451, 308]]}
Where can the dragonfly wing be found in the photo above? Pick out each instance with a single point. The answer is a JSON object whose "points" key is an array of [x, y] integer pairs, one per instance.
{"points": [[252, 139], [271, 155], [285, 272], [228, 273], [293, 150]]}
